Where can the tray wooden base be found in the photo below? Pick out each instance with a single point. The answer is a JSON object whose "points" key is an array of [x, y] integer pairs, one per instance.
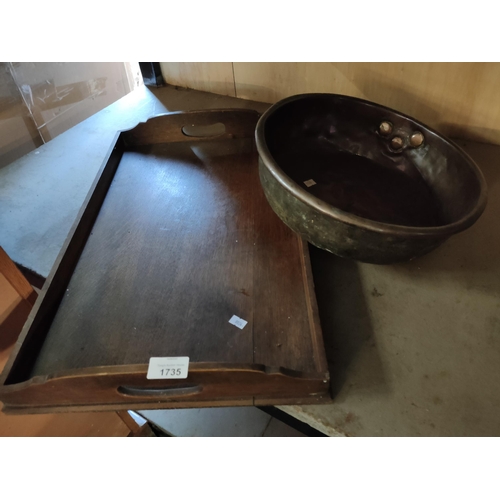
{"points": [[174, 239]]}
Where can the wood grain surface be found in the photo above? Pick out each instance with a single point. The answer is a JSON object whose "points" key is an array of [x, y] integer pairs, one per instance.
{"points": [[14, 276], [173, 240], [184, 240], [457, 99], [214, 77], [16, 300], [82, 424], [14, 310], [26, 349]]}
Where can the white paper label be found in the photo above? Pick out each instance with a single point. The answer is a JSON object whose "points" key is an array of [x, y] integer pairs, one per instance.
{"points": [[168, 367], [309, 183], [240, 323]]}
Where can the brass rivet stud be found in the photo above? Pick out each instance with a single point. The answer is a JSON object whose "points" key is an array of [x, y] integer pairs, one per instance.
{"points": [[385, 128], [417, 139], [396, 142]]}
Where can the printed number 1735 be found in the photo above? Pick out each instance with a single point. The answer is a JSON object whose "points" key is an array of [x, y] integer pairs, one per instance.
{"points": [[170, 371]]}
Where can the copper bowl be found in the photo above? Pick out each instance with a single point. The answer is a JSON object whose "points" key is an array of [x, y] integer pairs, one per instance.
{"points": [[364, 181]]}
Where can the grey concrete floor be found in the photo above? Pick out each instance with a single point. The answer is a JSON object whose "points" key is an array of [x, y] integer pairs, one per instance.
{"points": [[219, 422], [414, 348]]}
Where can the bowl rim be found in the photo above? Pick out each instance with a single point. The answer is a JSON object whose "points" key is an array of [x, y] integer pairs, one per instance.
{"points": [[354, 220]]}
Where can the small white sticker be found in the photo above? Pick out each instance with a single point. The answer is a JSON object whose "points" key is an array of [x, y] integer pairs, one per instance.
{"points": [[168, 367], [309, 183], [240, 323]]}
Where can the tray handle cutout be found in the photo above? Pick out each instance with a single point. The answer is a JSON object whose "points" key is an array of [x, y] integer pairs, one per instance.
{"points": [[213, 130], [159, 391], [186, 126]]}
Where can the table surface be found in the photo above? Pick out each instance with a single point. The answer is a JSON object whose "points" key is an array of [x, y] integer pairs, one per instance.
{"points": [[413, 349]]}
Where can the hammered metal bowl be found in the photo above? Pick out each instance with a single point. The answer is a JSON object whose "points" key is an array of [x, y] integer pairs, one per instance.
{"points": [[363, 181]]}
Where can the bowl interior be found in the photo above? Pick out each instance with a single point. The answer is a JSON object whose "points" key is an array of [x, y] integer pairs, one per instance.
{"points": [[332, 147]]}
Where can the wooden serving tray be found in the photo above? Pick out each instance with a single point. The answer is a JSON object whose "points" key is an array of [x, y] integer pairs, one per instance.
{"points": [[174, 238]]}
